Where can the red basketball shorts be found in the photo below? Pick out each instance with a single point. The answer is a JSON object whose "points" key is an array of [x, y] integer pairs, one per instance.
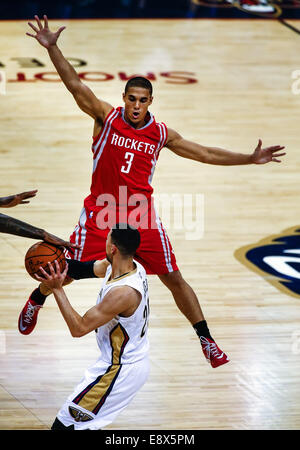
{"points": [[155, 252]]}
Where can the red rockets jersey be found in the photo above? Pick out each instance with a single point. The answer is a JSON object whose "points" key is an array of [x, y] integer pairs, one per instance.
{"points": [[125, 157]]}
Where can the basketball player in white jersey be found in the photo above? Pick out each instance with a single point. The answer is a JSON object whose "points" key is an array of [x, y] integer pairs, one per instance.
{"points": [[120, 319]]}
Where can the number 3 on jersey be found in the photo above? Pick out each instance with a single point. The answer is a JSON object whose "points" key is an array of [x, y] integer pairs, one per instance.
{"points": [[128, 159]]}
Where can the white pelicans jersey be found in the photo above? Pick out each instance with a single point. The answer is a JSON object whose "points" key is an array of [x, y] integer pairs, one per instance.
{"points": [[110, 384], [124, 340]]}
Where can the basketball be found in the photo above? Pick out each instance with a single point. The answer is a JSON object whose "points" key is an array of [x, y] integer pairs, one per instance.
{"points": [[40, 254]]}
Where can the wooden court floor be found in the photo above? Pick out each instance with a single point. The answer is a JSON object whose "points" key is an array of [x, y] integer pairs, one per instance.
{"points": [[243, 92]]}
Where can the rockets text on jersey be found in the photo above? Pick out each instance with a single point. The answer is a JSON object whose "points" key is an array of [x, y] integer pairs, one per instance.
{"points": [[132, 144]]}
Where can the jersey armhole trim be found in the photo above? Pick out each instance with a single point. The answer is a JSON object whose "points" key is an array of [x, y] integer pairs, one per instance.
{"points": [[96, 138], [164, 137], [167, 134]]}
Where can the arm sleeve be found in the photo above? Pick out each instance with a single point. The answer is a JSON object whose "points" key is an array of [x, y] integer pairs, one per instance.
{"points": [[79, 269]]}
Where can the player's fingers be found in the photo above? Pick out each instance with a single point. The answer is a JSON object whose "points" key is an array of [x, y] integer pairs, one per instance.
{"points": [[33, 27], [52, 271], [278, 154], [66, 270], [57, 267], [258, 147], [46, 21], [46, 275], [276, 148], [25, 195], [59, 31], [31, 35], [24, 201], [38, 22], [71, 245], [28, 194], [38, 278], [276, 160]]}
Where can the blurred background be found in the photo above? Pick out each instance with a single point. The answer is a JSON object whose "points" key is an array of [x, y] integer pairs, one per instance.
{"points": [[20, 9]]}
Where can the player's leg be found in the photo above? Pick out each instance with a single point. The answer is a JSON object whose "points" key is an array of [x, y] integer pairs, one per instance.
{"points": [[186, 300], [184, 296], [29, 314], [157, 256]]}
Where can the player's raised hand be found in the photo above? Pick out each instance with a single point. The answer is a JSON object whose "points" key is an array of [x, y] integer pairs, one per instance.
{"points": [[268, 154], [17, 199], [43, 34]]}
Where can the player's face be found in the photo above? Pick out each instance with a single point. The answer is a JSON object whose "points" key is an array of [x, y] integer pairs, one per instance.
{"points": [[137, 101]]}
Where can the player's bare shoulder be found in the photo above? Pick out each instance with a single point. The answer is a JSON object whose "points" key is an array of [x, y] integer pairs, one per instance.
{"points": [[124, 299]]}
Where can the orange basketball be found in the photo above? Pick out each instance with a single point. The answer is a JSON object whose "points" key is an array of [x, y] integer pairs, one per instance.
{"points": [[40, 254]]}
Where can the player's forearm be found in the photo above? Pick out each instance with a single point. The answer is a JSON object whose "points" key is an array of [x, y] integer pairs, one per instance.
{"points": [[64, 69], [17, 227], [71, 317], [207, 155], [219, 156]]}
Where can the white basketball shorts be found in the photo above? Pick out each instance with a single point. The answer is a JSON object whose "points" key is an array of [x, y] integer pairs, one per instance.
{"points": [[103, 393]]}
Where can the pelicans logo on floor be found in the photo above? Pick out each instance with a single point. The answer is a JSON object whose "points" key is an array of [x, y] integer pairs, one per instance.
{"points": [[277, 259]]}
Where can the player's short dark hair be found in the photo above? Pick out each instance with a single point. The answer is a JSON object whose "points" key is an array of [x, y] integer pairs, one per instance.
{"points": [[139, 82], [126, 238]]}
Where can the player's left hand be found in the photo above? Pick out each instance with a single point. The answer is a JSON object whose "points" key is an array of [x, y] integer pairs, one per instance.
{"points": [[268, 154], [55, 279], [17, 199]]}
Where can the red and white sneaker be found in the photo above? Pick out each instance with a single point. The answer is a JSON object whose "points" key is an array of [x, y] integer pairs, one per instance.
{"points": [[214, 356], [28, 316]]}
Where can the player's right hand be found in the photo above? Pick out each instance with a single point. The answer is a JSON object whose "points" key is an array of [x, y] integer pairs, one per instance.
{"points": [[43, 34], [55, 279]]}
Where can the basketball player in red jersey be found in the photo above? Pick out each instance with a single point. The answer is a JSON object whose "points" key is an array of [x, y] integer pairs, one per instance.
{"points": [[126, 145]]}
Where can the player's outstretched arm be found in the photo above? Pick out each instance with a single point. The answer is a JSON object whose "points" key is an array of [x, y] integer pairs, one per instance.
{"points": [[10, 225], [119, 300], [219, 156], [84, 97], [17, 199]]}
